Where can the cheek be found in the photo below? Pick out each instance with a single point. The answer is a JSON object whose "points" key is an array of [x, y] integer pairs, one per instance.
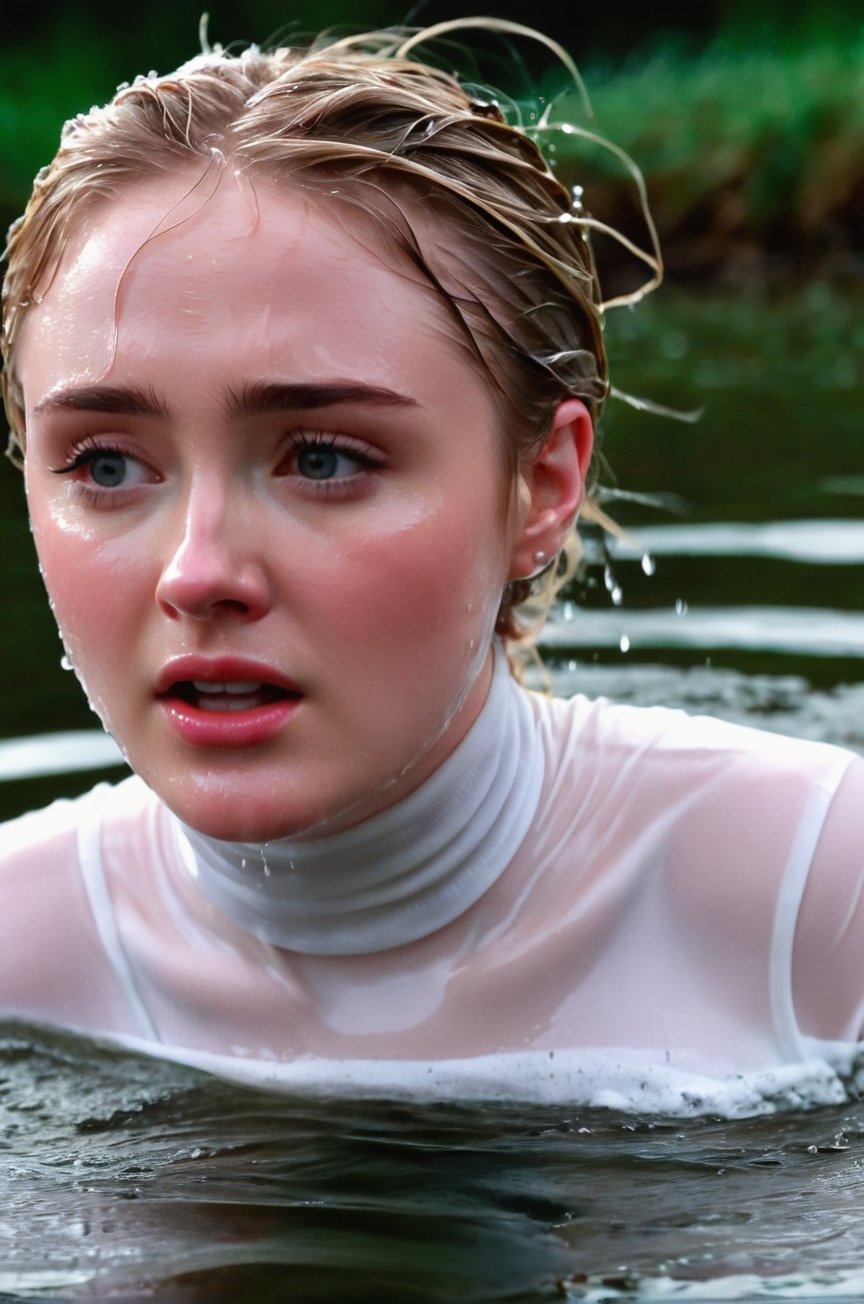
{"points": [[91, 592], [435, 586]]}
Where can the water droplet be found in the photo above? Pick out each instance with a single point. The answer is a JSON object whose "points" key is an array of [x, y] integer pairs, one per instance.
{"points": [[569, 611], [469, 607], [65, 663], [572, 665], [681, 607], [649, 565], [624, 642], [612, 585]]}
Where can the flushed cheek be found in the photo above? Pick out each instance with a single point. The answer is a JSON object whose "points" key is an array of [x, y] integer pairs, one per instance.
{"points": [[414, 589], [92, 593]]}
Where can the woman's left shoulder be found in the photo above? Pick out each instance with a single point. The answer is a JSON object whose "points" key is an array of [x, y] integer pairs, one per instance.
{"points": [[654, 742]]}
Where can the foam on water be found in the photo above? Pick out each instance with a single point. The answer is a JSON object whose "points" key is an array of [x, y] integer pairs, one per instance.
{"points": [[737, 1286], [618, 1079]]}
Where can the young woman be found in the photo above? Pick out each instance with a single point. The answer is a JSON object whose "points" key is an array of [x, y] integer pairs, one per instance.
{"points": [[303, 352]]}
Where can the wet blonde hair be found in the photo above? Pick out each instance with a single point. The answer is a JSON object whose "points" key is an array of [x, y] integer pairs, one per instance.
{"points": [[364, 118]]}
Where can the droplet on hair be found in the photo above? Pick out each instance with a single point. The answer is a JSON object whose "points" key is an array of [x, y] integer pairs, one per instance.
{"points": [[681, 607], [624, 643], [649, 565]]}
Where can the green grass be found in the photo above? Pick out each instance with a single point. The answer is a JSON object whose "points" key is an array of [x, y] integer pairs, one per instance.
{"points": [[739, 145]]}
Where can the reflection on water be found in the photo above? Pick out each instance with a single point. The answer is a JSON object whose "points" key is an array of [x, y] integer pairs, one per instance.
{"points": [[126, 1179]]}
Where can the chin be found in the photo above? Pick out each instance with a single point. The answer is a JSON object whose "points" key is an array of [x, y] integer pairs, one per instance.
{"points": [[237, 817]]}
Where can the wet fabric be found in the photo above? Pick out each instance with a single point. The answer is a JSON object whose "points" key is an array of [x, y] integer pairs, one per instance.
{"points": [[682, 906]]}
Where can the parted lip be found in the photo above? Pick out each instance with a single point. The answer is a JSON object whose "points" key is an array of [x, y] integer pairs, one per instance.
{"points": [[220, 670]]}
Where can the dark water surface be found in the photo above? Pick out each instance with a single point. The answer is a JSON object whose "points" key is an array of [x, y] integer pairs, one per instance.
{"points": [[127, 1179]]}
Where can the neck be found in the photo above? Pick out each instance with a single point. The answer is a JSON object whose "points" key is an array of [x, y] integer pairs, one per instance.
{"points": [[402, 874]]}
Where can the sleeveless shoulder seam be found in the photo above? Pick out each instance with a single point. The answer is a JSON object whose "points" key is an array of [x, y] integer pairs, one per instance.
{"points": [[99, 898], [793, 884]]}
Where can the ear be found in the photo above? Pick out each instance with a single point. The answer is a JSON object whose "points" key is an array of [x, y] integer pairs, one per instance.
{"points": [[550, 489]]}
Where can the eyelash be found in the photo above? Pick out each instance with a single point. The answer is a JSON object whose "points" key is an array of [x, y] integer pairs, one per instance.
{"points": [[89, 449], [84, 454], [301, 441]]}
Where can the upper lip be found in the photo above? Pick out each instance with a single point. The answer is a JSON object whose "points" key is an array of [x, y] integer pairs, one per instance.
{"points": [[221, 670]]}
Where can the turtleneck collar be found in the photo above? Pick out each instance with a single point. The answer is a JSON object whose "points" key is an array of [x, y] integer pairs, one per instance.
{"points": [[403, 873]]}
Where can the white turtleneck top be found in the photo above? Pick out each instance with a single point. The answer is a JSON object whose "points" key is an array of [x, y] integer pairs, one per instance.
{"points": [[404, 873], [585, 902]]}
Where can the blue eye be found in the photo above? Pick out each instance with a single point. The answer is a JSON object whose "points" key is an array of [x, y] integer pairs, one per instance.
{"points": [[318, 462], [324, 459], [104, 468], [108, 470]]}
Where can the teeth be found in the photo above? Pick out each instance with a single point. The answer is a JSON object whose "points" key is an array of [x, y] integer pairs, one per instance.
{"points": [[227, 702], [240, 687]]}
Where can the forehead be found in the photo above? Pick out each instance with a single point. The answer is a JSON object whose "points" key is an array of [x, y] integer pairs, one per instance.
{"points": [[296, 279]]}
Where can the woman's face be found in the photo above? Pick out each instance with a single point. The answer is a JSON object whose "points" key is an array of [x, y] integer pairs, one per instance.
{"points": [[266, 493]]}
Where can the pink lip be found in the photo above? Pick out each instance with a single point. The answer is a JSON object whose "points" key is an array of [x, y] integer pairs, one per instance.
{"points": [[208, 728]]}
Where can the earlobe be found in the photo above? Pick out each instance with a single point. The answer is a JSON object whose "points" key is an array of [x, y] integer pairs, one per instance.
{"points": [[551, 489]]}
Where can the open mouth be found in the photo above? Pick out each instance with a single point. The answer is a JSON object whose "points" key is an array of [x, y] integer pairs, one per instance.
{"points": [[238, 695]]}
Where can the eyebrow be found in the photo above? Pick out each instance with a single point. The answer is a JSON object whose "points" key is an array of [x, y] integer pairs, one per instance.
{"points": [[124, 400], [256, 399], [262, 397]]}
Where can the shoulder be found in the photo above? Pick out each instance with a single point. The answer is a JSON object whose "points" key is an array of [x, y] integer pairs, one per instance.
{"points": [[52, 965], [49, 836], [659, 745], [715, 815]]}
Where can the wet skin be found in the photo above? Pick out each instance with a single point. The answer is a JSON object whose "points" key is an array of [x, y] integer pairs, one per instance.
{"points": [[266, 491]]}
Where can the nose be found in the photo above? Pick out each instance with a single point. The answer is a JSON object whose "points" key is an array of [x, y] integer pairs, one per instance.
{"points": [[213, 564]]}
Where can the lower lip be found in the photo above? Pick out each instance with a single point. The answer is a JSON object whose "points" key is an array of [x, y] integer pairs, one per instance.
{"points": [[228, 728]]}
